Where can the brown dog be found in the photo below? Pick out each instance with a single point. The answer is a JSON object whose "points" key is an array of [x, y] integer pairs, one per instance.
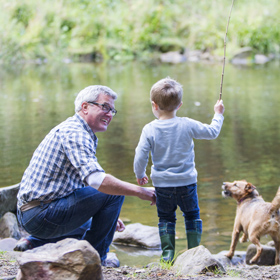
{"points": [[254, 217]]}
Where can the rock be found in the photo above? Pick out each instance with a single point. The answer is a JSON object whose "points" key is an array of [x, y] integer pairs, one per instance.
{"points": [[207, 56], [194, 55], [197, 260], [261, 59], [267, 256], [7, 244], [238, 258], [67, 259], [172, 57], [243, 56], [138, 235], [9, 226], [8, 199]]}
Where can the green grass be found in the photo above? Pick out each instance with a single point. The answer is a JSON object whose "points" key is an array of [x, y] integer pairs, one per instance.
{"points": [[2, 253], [233, 273]]}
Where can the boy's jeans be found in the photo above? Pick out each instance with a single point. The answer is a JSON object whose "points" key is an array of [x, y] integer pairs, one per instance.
{"points": [[185, 197], [85, 214]]}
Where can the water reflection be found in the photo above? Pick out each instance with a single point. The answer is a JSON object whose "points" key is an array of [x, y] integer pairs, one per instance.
{"points": [[35, 99]]}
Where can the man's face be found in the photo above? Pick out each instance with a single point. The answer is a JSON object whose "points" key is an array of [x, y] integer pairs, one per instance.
{"points": [[97, 119]]}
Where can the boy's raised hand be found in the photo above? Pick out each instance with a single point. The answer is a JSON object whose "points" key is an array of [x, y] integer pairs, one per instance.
{"points": [[143, 181], [219, 107]]}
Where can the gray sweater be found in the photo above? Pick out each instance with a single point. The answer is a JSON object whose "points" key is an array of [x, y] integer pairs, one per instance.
{"points": [[172, 149]]}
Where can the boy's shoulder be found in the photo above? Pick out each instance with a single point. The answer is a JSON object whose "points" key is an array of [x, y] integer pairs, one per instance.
{"points": [[164, 123]]}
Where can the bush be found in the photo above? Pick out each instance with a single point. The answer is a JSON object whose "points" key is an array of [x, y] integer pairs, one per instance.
{"points": [[125, 29]]}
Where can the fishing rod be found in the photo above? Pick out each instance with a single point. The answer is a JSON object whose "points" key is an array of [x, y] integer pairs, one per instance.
{"points": [[224, 60]]}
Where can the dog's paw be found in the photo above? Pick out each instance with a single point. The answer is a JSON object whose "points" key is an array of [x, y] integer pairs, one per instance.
{"points": [[253, 260], [229, 255]]}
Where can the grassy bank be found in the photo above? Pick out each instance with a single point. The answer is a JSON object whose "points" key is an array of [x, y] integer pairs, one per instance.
{"points": [[129, 29]]}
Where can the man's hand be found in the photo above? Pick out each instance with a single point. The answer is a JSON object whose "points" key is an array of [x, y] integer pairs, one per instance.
{"points": [[148, 194], [114, 186], [154, 202], [120, 226]]}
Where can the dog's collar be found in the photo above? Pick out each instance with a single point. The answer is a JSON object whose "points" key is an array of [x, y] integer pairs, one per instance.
{"points": [[253, 198], [242, 199]]}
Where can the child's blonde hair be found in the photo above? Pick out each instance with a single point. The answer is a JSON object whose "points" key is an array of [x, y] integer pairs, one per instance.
{"points": [[167, 94]]}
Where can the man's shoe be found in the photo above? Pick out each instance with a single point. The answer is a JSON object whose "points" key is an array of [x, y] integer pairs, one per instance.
{"points": [[23, 245], [111, 261]]}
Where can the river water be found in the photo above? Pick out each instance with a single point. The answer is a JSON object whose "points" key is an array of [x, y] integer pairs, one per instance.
{"points": [[36, 98]]}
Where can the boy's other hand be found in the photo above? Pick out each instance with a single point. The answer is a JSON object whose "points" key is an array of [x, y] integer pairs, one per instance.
{"points": [[219, 107], [143, 181]]}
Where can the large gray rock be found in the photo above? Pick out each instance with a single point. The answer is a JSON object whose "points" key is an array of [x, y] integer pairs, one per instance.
{"points": [[69, 259], [138, 235], [9, 226], [8, 199], [195, 261], [267, 256]]}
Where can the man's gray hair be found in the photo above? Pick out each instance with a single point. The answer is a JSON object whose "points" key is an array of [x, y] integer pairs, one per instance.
{"points": [[91, 93]]}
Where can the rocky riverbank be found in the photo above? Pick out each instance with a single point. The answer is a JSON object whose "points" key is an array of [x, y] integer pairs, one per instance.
{"points": [[155, 271], [9, 269], [148, 238]]}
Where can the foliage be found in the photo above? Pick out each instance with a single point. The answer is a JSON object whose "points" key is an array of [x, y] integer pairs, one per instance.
{"points": [[233, 273], [166, 264], [2, 253], [127, 29]]}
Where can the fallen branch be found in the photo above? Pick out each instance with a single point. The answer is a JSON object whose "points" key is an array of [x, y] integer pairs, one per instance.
{"points": [[224, 61]]}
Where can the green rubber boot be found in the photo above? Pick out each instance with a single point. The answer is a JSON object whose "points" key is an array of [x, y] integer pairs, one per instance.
{"points": [[167, 238], [193, 232], [193, 239]]}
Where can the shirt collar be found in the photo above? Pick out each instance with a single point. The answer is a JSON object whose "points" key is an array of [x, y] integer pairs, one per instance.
{"points": [[85, 126]]}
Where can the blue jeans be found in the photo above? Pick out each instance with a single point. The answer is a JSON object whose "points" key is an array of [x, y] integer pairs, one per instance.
{"points": [[185, 197], [85, 214]]}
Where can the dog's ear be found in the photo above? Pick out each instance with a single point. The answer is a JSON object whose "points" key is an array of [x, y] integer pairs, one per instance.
{"points": [[249, 187]]}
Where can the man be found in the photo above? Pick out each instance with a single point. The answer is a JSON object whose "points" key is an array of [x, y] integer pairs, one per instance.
{"points": [[64, 191]]}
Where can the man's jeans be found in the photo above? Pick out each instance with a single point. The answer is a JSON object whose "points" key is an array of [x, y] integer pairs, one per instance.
{"points": [[85, 214], [185, 197]]}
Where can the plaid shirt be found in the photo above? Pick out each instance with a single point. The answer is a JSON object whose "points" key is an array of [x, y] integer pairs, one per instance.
{"points": [[60, 164]]}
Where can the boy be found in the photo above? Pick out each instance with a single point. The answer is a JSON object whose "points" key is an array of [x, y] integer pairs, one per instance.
{"points": [[170, 141]]}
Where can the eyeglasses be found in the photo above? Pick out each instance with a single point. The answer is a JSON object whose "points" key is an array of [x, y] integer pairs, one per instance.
{"points": [[105, 107]]}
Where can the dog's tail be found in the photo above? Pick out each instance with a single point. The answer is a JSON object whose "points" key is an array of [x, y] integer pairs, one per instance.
{"points": [[275, 204]]}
